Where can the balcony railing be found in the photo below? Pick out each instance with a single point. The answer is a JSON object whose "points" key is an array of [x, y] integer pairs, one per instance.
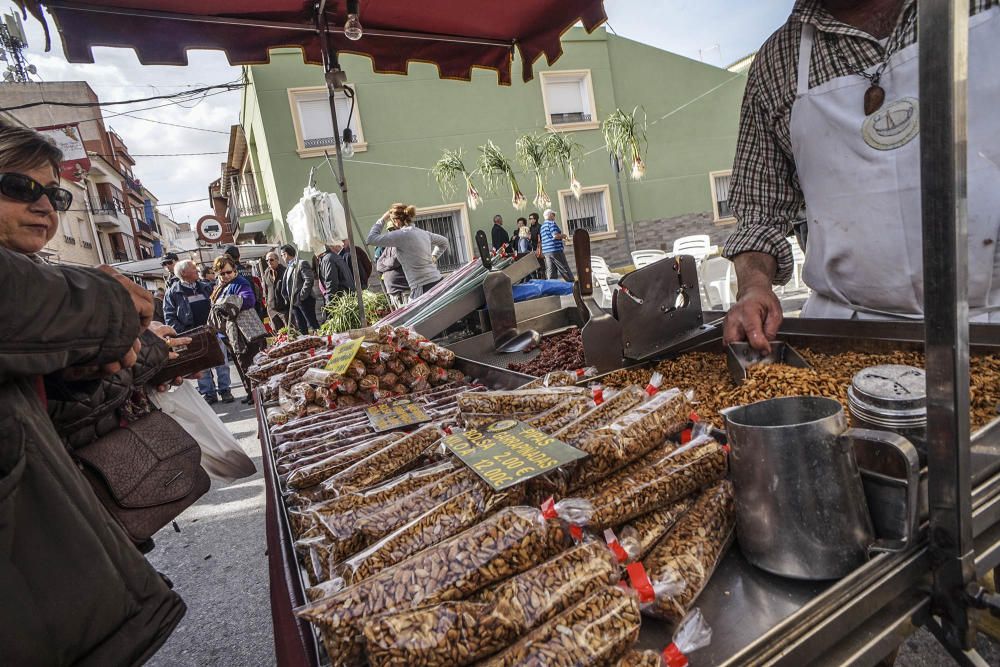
{"points": [[134, 184], [120, 256], [254, 208], [105, 209]]}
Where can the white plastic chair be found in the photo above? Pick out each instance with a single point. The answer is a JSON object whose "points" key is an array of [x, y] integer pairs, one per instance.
{"points": [[613, 277], [698, 246], [641, 258], [600, 274], [719, 281], [799, 258]]}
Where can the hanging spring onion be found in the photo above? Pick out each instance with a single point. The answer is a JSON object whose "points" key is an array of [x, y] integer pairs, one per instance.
{"points": [[496, 170], [565, 153], [449, 168], [625, 138], [536, 160]]}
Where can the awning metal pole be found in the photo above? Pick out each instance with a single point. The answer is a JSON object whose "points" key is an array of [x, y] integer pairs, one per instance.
{"points": [[943, 60], [329, 65]]}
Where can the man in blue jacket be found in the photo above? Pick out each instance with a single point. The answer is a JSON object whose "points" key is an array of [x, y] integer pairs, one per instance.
{"points": [[186, 306]]}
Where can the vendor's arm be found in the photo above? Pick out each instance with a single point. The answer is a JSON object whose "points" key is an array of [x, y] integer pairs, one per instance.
{"points": [[765, 199], [63, 316]]}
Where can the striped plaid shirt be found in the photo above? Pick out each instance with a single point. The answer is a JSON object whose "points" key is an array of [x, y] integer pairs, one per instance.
{"points": [[765, 195]]}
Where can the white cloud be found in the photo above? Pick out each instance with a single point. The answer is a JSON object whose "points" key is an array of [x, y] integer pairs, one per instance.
{"points": [[117, 75]]}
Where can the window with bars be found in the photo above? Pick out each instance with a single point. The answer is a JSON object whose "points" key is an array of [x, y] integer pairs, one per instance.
{"points": [[589, 212], [568, 98], [720, 181], [314, 124], [449, 225]]}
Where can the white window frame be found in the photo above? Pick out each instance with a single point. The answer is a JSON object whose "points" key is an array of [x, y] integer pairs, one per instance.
{"points": [[608, 211], [463, 216], [583, 75], [313, 93], [712, 176]]}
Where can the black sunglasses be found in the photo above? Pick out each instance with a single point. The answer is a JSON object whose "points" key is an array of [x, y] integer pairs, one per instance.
{"points": [[26, 189]]}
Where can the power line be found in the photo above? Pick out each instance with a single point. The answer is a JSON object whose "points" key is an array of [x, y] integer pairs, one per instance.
{"points": [[187, 93], [163, 122]]}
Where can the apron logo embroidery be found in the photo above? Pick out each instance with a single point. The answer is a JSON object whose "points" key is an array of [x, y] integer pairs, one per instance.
{"points": [[893, 126]]}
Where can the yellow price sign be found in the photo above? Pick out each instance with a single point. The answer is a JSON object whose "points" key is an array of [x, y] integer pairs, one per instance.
{"points": [[343, 355], [396, 414]]}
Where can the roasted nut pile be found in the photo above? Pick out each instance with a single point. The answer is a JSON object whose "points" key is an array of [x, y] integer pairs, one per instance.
{"points": [[662, 477], [595, 631], [452, 634], [688, 555], [504, 544], [562, 352], [707, 375]]}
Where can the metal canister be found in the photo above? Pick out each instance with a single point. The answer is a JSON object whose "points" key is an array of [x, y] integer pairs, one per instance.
{"points": [[893, 398]]}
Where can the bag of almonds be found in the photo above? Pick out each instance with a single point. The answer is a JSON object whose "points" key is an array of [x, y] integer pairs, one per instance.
{"points": [[686, 558], [691, 634], [561, 378], [517, 401], [386, 462], [459, 633], [448, 518], [509, 542], [630, 436], [313, 473], [599, 416], [665, 475], [595, 631]]}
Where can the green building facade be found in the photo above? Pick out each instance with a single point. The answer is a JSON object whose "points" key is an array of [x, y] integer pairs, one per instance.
{"points": [[403, 123]]}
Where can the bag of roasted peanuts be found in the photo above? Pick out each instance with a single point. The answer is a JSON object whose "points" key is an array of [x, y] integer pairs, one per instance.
{"points": [[561, 378], [685, 559], [504, 544], [440, 522], [459, 633], [630, 436], [665, 475], [595, 631], [691, 634]]}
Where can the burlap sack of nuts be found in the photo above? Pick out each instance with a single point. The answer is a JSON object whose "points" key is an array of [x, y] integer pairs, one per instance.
{"points": [[631, 436], [509, 542], [641, 534], [437, 524], [663, 476], [685, 559], [595, 631], [452, 634]]}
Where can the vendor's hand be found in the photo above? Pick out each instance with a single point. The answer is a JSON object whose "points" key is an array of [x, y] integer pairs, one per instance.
{"points": [[142, 299], [754, 318]]}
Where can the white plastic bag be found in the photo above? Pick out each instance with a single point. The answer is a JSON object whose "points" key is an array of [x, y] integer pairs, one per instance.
{"points": [[317, 220], [221, 455]]}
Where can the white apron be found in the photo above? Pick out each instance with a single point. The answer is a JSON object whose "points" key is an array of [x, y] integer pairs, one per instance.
{"points": [[861, 181]]}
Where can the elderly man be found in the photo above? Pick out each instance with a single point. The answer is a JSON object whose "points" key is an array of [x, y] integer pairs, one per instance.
{"points": [[553, 250], [167, 262], [830, 127], [335, 273], [274, 300], [186, 306], [297, 289], [500, 235]]}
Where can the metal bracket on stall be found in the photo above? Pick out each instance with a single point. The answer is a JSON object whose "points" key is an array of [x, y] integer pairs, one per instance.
{"points": [[659, 306], [503, 319]]}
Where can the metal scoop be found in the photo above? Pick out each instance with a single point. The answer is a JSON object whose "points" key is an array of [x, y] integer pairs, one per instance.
{"points": [[740, 357]]}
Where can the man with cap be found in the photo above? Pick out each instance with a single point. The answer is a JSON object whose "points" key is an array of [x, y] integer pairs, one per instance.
{"points": [[167, 262], [551, 239]]}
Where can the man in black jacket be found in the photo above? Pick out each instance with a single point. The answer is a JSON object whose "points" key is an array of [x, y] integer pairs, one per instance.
{"points": [[363, 259], [500, 235], [335, 273]]}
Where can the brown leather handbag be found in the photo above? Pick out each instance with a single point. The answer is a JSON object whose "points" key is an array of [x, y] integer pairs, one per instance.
{"points": [[203, 352], [145, 473]]}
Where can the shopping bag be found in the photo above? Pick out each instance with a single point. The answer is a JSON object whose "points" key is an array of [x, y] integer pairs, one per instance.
{"points": [[221, 455]]}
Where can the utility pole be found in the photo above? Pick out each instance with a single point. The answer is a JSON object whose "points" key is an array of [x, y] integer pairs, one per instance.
{"points": [[12, 45]]}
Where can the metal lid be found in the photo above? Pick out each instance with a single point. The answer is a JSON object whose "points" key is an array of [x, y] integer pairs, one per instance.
{"points": [[891, 387]]}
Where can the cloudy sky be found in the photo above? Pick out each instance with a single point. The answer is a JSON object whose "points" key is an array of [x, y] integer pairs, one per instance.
{"points": [[715, 31]]}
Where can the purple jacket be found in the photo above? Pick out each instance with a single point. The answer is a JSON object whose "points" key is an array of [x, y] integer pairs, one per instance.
{"points": [[241, 287]]}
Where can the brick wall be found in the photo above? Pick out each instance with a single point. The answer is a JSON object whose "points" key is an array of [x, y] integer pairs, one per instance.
{"points": [[660, 235]]}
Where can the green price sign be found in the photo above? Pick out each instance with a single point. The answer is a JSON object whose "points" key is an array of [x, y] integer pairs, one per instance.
{"points": [[509, 452], [343, 355], [397, 414]]}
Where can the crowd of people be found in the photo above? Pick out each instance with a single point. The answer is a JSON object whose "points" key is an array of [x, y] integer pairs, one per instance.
{"points": [[545, 240]]}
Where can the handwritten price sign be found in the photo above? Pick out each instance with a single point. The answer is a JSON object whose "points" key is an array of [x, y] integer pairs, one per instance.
{"points": [[343, 355], [509, 452], [397, 414]]}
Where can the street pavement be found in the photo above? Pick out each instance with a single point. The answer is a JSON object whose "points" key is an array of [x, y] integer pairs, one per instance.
{"points": [[218, 563]]}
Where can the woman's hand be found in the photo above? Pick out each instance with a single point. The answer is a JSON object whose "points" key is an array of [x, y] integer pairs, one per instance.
{"points": [[170, 337]]}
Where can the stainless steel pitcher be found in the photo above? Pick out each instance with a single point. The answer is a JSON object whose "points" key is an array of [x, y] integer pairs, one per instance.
{"points": [[801, 510]]}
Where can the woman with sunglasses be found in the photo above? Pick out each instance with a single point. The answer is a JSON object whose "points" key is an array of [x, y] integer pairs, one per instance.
{"points": [[100, 602], [242, 344]]}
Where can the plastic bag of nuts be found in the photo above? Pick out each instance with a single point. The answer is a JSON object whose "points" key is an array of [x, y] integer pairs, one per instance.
{"points": [[662, 477], [686, 558], [509, 542], [433, 526], [630, 436], [532, 401], [691, 634], [595, 631], [309, 475], [640, 535], [459, 633], [300, 344], [561, 378], [386, 462], [601, 415]]}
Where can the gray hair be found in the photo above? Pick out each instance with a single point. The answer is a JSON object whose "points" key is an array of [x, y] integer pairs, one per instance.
{"points": [[182, 266]]}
